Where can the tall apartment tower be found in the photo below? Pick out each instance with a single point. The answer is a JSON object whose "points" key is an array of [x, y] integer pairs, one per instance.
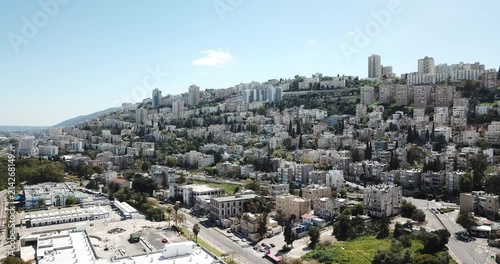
{"points": [[193, 95], [156, 98], [426, 65], [374, 67]]}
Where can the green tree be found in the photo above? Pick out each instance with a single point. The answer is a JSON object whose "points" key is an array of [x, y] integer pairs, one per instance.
{"points": [[466, 220], [262, 229], [314, 235], [357, 209], [384, 226], [177, 206], [407, 209], [251, 184], [146, 165], [342, 229], [171, 161], [288, 234], [196, 230], [478, 164], [71, 201], [418, 215], [466, 183], [492, 184]]}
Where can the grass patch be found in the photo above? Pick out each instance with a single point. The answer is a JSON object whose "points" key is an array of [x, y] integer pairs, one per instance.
{"points": [[228, 187], [202, 243], [448, 209], [358, 251]]}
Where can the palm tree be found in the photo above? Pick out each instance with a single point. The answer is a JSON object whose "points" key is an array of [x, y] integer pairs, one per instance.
{"points": [[169, 214], [177, 206], [180, 219], [196, 230]]}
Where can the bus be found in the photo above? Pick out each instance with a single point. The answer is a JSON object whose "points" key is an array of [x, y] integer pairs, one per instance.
{"points": [[273, 258]]}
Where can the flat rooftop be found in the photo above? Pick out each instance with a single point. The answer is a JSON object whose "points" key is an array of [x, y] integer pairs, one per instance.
{"points": [[200, 188]]}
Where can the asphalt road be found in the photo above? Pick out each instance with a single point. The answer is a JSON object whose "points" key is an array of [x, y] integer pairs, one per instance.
{"points": [[225, 245], [477, 252]]}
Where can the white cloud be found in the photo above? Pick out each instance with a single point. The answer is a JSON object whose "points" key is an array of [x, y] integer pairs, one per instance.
{"points": [[351, 33], [214, 58], [311, 42], [401, 34]]}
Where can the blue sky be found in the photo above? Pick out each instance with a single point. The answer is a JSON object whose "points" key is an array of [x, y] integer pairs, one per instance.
{"points": [[88, 55]]}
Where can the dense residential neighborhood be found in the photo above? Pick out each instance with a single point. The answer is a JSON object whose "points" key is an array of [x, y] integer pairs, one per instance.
{"points": [[296, 158]]}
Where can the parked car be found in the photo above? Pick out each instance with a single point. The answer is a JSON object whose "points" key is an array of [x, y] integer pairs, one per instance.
{"points": [[229, 230], [255, 248], [263, 245], [272, 245]]}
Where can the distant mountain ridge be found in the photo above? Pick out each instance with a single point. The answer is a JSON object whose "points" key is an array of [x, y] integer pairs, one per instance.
{"points": [[21, 128], [83, 118]]}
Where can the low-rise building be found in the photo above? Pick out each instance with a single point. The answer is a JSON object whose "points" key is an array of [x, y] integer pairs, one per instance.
{"points": [[229, 206], [191, 191]]}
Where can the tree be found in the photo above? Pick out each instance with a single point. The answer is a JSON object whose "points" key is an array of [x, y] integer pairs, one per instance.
{"points": [[343, 227], [196, 230], [169, 211], [466, 183], [301, 143], [252, 185], [177, 206], [385, 257], [384, 227], [314, 235], [358, 209], [180, 219], [12, 260], [262, 229], [288, 234], [466, 220], [236, 189], [71, 201], [171, 161], [492, 184], [290, 128], [478, 164], [407, 209], [418, 215]]}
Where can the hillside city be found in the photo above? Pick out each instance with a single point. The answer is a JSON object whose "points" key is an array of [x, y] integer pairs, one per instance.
{"points": [[320, 169]]}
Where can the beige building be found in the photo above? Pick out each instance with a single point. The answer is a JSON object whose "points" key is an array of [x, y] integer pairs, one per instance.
{"points": [[292, 205], [313, 192], [481, 202]]}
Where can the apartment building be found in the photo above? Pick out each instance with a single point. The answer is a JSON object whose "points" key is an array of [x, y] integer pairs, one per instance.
{"points": [[480, 202], [292, 206], [278, 189], [313, 192], [382, 199], [327, 208], [229, 206]]}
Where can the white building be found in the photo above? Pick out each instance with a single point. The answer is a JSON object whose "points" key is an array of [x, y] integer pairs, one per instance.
{"points": [[443, 131], [367, 95], [27, 146], [177, 106], [426, 66], [483, 109], [441, 115], [190, 192], [382, 199], [335, 179], [48, 151]]}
